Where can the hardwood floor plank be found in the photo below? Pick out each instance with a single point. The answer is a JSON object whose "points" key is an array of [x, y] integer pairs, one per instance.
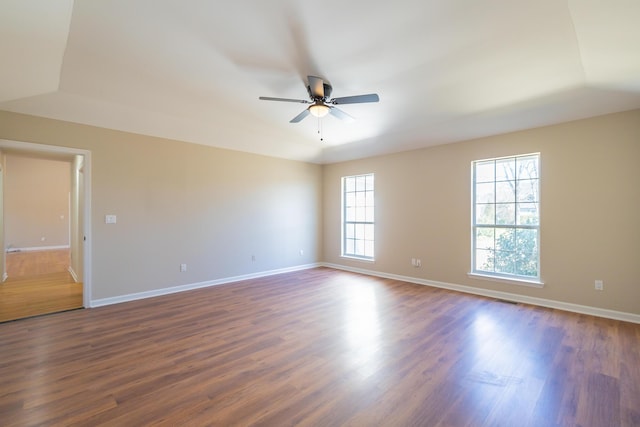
{"points": [[38, 284], [596, 389], [629, 374], [34, 263], [319, 347]]}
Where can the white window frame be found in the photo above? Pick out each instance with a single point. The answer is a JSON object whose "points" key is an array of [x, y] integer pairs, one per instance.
{"points": [[517, 205], [358, 220]]}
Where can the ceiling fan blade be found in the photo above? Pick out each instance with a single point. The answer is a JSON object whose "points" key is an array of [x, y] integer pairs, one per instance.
{"points": [[357, 99], [336, 112], [316, 84], [300, 101], [300, 116]]}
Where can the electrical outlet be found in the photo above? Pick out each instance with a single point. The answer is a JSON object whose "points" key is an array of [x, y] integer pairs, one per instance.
{"points": [[599, 285], [418, 263], [183, 268], [253, 258]]}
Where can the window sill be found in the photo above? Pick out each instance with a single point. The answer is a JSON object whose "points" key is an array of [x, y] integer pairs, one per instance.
{"points": [[354, 258], [509, 280]]}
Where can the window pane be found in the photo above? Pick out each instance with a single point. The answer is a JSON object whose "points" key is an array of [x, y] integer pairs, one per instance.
{"points": [[527, 167], [485, 214], [527, 264], [485, 238], [368, 248], [350, 199], [505, 192], [505, 169], [484, 193], [485, 171], [528, 190], [368, 231], [359, 247], [350, 246], [350, 231], [505, 262], [361, 214], [527, 214], [349, 184], [505, 214], [369, 198], [369, 211], [369, 181], [360, 183], [359, 231], [527, 240], [484, 260], [505, 239], [350, 214]]}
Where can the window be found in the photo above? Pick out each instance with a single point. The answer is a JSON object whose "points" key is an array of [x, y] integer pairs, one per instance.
{"points": [[358, 216], [506, 217]]}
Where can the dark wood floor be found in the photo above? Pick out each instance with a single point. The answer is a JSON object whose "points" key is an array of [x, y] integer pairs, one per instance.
{"points": [[320, 347]]}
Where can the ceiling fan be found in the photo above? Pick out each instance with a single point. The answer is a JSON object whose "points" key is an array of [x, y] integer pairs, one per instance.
{"points": [[321, 101]]}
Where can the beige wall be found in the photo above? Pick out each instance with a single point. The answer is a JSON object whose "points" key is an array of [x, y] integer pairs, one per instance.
{"points": [[590, 208], [36, 200], [175, 202], [213, 209]]}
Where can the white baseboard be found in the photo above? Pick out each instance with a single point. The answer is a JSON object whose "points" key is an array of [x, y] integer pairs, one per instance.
{"points": [[191, 286], [576, 308], [38, 248], [542, 302]]}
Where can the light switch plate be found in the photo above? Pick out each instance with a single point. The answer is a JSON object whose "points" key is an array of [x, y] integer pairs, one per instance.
{"points": [[110, 219]]}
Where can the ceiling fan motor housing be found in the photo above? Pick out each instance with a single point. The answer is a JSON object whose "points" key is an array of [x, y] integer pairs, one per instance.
{"points": [[327, 91]]}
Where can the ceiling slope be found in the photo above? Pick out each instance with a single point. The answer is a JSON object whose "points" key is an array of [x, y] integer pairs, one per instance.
{"points": [[445, 70], [33, 38]]}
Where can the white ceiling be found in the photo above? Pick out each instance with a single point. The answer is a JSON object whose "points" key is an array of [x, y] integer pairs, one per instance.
{"points": [[445, 70]]}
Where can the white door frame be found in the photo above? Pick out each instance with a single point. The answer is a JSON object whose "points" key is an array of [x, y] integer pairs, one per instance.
{"points": [[86, 247]]}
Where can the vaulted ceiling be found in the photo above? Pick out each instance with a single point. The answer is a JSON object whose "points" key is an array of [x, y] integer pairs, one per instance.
{"points": [[445, 70]]}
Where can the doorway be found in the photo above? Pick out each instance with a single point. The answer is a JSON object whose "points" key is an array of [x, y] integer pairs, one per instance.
{"points": [[45, 268]]}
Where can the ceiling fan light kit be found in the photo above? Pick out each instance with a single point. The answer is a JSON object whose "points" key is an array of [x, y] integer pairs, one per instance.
{"points": [[321, 103], [319, 110]]}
